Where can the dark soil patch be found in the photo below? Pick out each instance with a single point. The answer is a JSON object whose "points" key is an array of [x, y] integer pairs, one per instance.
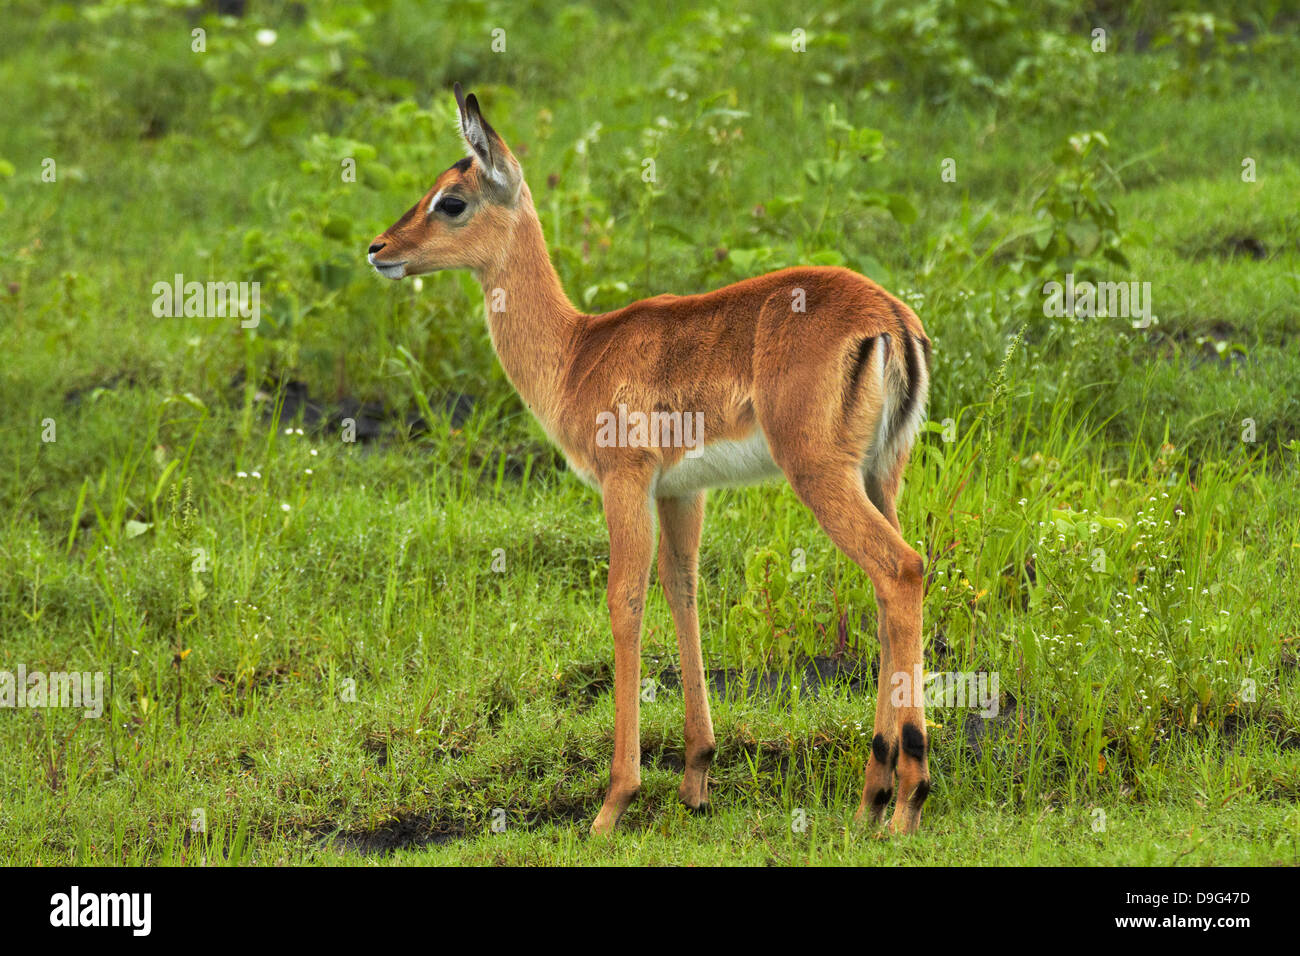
{"points": [[377, 747], [1233, 247], [405, 832], [262, 677], [373, 421], [92, 390], [581, 684], [1273, 723], [239, 688], [811, 676], [417, 830], [374, 425], [981, 732], [1212, 345], [499, 702]]}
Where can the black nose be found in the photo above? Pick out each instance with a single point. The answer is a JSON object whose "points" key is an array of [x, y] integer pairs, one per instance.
{"points": [[375, 247]]}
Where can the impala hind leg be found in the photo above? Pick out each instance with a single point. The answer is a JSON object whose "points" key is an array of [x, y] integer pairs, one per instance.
{"points": [[631, 544], [838, 497], [878, 786], [680, 520]]}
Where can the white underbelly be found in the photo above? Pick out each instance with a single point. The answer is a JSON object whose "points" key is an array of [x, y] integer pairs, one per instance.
{"points": [[720, 464]]}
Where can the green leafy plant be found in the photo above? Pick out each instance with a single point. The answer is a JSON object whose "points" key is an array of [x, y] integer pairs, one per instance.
{"points": [[1203, 51], [1079, 228]]}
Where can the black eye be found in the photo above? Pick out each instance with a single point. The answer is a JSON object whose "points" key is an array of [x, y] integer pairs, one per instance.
{"points": [[451, 206]]}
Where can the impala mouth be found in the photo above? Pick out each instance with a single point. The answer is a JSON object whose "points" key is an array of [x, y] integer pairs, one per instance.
{"points": [[389, 270]]}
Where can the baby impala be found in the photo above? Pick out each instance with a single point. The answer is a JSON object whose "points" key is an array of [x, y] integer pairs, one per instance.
{"points": [[813, 373]]}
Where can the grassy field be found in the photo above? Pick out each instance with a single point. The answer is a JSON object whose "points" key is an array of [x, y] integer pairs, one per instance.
{"points": [[396, 649]]}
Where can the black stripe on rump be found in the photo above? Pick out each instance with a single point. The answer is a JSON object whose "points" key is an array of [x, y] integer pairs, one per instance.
{"points": [[855, 371]]}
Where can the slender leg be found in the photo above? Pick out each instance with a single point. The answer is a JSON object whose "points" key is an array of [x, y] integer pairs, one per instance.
{"points": [[631, 544], [680, 520], [878, 787], [835, 492]]}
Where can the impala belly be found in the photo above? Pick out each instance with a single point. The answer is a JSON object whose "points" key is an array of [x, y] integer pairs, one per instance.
{"points": [[719, 464]]}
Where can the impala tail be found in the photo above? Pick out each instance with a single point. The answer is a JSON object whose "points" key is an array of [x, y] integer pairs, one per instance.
{"points": [[904, 369]]}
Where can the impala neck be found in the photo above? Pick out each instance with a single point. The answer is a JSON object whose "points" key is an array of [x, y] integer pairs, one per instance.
{"points": [[529, 317]]}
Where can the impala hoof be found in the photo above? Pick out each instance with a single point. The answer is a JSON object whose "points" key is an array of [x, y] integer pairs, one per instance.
{"points": [[694, 793]]}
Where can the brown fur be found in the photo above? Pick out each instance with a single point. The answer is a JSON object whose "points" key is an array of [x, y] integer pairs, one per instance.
{"points": [[752, 365]]}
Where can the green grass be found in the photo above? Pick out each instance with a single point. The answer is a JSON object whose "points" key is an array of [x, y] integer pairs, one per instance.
{"points": [[348, 673]]}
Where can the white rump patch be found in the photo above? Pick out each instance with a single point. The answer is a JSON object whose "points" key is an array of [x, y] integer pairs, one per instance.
{"points": [[895, 438]]}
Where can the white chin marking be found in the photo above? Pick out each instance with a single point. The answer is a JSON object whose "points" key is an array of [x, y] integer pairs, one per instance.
{"points": [[391, 272]]}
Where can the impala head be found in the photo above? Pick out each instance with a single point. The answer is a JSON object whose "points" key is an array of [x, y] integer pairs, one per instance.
{"points": [[463, 221]]}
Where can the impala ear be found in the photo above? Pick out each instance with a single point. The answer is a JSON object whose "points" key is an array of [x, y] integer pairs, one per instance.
{"points": [[493, 154]]}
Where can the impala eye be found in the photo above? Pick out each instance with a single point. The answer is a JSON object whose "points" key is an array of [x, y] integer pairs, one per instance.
{"points": [[451, 206]]}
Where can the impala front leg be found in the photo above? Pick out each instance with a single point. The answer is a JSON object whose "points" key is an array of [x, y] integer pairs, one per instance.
{"points": [[631, 543], [680, 520]]}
